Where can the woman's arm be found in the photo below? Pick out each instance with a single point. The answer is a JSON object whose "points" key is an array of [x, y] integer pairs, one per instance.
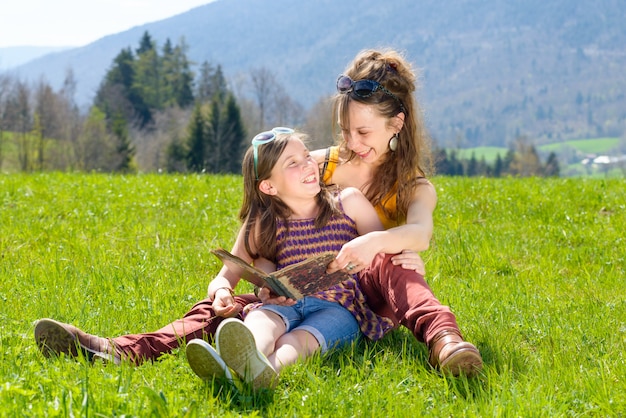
{"points": [[415, 233], [413, 236]]}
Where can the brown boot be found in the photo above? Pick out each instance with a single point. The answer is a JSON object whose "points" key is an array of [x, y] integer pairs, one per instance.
{"points": [[453, 356], [54, 338]]}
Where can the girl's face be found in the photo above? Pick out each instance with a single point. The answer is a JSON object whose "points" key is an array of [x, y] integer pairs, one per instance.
{"points": [[368, 133], [295, 174]]}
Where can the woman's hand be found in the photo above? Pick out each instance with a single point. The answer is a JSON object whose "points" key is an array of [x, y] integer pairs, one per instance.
{"points": [[224, 304], [410, 260], [356, 255], [270, 299]]}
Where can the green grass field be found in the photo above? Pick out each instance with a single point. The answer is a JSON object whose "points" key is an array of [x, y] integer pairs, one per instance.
{"points": [[488, 153], [533, 269], [584, 146]]}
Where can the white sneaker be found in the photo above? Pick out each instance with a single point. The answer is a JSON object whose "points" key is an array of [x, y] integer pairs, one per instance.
{"points": [[235, 344], [205, 362]]}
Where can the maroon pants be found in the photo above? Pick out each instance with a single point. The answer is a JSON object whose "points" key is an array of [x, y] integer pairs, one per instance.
{"points": [[405, 297], [199, 322], [391, 291]]}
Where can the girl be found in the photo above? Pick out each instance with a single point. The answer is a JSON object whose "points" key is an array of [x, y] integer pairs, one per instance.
{"points": [[287, 217]]}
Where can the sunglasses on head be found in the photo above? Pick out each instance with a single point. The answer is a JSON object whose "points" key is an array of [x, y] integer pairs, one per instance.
{"points": [[264, 138], [363, 88]]}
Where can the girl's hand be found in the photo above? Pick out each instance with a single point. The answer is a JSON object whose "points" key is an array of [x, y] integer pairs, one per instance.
{"points": [[224, 304], [410, 260], [270, 299]]}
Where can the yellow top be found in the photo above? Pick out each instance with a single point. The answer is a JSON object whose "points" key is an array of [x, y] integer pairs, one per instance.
{"points": [[387, 205]]}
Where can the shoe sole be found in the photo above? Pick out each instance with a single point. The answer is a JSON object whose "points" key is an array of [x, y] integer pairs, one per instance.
{"points": [[237, 347], [205, 362], [465, 361], [52, 339]]}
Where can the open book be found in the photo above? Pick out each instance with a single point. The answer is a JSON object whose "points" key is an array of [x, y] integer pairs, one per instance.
{"points": [[295, 281]]}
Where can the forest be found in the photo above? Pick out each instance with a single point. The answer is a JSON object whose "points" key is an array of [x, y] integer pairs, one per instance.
{"points": [[157, 111]]}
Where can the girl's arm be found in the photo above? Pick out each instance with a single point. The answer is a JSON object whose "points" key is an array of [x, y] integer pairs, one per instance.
{"points": [[220, 289], [357, 207]]}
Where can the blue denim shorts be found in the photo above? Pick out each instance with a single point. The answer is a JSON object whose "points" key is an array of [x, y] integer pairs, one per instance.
{"points": [[331, 324]]}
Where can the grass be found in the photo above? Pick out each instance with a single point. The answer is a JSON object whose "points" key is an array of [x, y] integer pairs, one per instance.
{"points": [[533, 269], [595, 146], [490, 154], [584, 146]]}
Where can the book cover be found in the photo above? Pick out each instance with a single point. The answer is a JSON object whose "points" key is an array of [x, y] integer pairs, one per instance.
{"points": [[294, 281]]}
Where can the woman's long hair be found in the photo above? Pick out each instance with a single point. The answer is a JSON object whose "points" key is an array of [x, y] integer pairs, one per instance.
{"points": [[401, 170], [260, 212]]}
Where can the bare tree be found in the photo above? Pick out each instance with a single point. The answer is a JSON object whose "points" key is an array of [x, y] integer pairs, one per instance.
{"points": [[318, 124], [96, 147], [526, 162], [263, 86], [62, 156], [286, 110], [151, 145], [275, 106], [20, 121], [46, 119], [5, 85]]}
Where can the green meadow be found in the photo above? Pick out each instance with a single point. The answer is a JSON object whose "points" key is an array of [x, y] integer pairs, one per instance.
{"points": [[582, 146], [533, 268]]}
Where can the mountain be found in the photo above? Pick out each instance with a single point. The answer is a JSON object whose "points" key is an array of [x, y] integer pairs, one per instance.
{"points": [[15, 56], [491, 70]]}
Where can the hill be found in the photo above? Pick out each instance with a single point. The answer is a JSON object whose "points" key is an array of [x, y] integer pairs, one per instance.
{"points": [[491, 70], [15, 56]]}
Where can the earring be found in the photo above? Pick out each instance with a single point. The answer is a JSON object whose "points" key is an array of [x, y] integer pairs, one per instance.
{"points": [[393, 142]]}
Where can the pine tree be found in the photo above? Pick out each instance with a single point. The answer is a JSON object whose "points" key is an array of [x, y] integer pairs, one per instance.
{"points": [[508, 160], [472, 166], [147, 82], [498, 166], [123, 148], [235, 138], [552, 168], [175, 155], [145, 43], [218, 82], [441, 161], [182, 76], [118, 94], [205, 88], [215, 138], [197, 141]]}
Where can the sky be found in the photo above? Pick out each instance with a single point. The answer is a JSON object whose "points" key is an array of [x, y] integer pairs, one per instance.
{"points": [[79, 22]]}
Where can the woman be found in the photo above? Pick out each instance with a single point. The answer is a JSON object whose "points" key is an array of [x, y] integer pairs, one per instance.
{"points": [[384, 152]]}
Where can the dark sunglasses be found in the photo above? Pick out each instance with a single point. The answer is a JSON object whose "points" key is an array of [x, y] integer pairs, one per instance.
{"points": [[264, 138], [363, 88]]}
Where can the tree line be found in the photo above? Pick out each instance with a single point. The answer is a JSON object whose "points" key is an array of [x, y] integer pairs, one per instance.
{"points": [[521, 159], [153, 112]]}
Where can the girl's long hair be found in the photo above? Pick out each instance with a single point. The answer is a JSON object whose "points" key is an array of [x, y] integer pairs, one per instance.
{"points": [[260, 212], [400, 171]]}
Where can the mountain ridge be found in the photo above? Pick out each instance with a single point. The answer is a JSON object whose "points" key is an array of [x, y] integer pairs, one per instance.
{"points": [[490, 70], [14, 56]]}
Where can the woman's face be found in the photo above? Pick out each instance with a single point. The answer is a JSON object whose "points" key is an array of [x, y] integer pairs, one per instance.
{"points": [[367, 133]]}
